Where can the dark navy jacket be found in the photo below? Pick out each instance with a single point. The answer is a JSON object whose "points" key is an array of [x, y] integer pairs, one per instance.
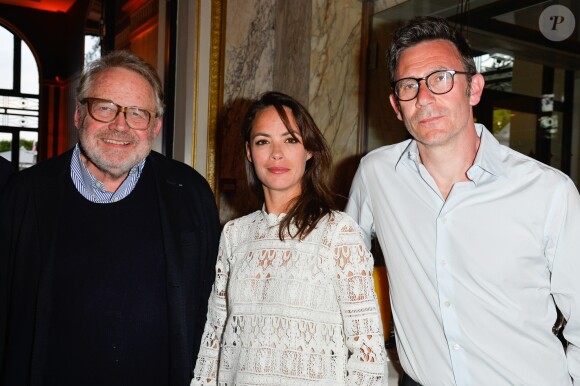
{"points": [[29, 220]]}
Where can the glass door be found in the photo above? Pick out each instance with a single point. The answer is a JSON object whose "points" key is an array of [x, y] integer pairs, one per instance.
{"points": [[528, 107]]}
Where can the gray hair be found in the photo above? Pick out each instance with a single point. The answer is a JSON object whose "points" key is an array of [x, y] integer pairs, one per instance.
{"points": [[126, 60]]}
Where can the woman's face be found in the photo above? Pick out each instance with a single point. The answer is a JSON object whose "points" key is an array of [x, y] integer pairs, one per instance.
{"points": [[278, 159]]}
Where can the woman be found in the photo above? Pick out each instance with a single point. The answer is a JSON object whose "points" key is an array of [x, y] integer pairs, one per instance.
{"points": [[293, 301]]}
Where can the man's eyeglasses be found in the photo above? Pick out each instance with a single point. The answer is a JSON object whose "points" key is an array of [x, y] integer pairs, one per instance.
{"points": [[438, 82], [106, 111]]}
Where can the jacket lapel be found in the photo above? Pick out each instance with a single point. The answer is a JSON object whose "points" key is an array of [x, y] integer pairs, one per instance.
{"points": [[170, 194]]}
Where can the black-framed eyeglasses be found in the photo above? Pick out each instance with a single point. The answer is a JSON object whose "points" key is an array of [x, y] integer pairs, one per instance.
{"points": [[438, 82], [106, 111]]}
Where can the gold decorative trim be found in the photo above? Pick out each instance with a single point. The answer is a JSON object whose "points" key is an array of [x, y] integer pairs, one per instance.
{"points": [[216, 87], [195, 110]]}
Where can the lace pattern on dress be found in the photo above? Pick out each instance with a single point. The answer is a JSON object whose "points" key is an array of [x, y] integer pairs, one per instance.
{"points": [[292, 312]]}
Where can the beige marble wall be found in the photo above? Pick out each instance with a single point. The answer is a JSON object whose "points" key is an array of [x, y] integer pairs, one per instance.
{"points": [[292, 48], [248, 72], [334, 80], [381, 5], [249, 48], [310, 49]]}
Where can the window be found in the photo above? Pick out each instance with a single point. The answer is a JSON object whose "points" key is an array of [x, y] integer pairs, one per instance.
{"points": [[92, 48], [19, 100]]}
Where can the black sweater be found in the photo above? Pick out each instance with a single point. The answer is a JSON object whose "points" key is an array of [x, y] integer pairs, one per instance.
{"points": [[32, 209]]}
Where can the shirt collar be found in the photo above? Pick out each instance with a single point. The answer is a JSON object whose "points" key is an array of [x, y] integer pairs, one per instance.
{"points": [[487, 159], [410, 154], [488, 156], [271, 218], [93, 189]]}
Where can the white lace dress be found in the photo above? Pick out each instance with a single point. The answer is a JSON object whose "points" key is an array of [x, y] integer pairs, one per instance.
{"points": [[292, 312]]}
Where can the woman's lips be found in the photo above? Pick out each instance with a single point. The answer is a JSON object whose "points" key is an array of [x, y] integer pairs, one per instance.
{"points": [[278, 170]]}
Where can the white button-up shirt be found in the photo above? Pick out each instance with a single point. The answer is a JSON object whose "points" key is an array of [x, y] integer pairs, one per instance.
{"points": [[473, 278]]}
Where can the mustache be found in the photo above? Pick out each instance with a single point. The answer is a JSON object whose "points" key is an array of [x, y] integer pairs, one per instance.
{"points": [[107, 133], [116, 135]]}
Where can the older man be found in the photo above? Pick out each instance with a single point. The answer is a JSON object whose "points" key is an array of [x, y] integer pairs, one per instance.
{"points": [[107, 251]]}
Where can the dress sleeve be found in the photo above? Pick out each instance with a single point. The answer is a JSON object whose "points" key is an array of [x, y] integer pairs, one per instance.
{"points": [[564, 250], [206, 367], [367, 363]]}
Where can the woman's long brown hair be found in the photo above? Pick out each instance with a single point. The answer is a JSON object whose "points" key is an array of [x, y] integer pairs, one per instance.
{"points": [[316, 199]]}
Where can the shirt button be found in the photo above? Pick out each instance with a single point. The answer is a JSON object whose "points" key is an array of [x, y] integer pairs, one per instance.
{"points": [[443, 262], [456, 346], [447, 304], [444, 220]]}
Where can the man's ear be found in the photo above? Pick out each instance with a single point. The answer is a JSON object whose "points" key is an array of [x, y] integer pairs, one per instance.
{"points": [[158, 125], [77, 117], [396, 106], [476, 89], [248, 152]]}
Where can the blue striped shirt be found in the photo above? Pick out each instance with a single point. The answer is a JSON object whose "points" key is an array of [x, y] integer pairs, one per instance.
{"points": [[94, 190]]}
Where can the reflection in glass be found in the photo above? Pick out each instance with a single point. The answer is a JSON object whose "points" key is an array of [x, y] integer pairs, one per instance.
{"points": [[27, 148], [497, 69], [515, 129], [19, 101], [523, 132], [29, 72], [502, 125], [28, 141], [92, 48], [19, 112], [6, 59], [6, 145], [554, 133]]}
